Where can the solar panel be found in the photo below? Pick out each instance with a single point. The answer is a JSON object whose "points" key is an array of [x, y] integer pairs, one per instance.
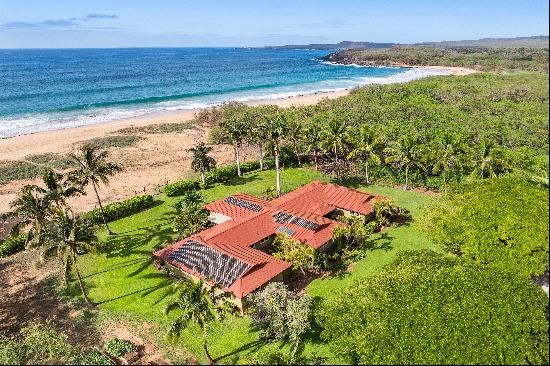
{"points": [[209, 262], [243, 203], [282, 217], [282, 229]]}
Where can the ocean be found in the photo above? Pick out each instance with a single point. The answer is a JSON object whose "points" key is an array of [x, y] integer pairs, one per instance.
{"points": [[59, 88]]}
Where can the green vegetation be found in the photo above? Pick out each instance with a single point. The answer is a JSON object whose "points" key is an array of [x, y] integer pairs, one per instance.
{"points": [[191, 217], [501, 222], [159, 128], [37, 343], [116, 210], [95, 357], [56, 161], [479, 58], [108, 142], [431, 309], [12, 245], [181, 187], [288, 249], [202, 162], [119, 347], [18, 170]]}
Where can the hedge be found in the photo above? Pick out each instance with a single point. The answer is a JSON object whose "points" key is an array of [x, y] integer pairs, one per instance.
{"points": [[179, 188], [220, 175], [12, 245], [117, 210]]}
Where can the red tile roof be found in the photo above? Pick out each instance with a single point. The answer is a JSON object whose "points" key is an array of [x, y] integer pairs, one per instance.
{"points": [[248, 227]]}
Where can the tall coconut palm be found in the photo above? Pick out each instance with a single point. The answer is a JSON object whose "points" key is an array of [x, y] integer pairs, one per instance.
{"points": [[277, 129], [405, 153], [367, 144], [31, 209], [489, 160], [65, 236], [336, 134], [58, 187], [256, 133], [449, 152], [202, 162], [199, 304], [93, 168]]}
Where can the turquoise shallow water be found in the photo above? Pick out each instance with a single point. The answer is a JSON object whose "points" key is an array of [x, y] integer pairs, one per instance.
{"points": [[52, 89]]}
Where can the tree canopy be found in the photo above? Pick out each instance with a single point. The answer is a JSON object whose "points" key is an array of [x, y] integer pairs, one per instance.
{"points": [[501, 222], [428, 308]]}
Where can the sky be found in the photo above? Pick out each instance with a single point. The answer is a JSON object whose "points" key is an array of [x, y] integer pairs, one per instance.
{"points": [[251, 23]]}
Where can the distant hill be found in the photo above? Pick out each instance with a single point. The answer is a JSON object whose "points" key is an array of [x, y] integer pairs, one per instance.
{"points": [[345, 45], [531, 42]]}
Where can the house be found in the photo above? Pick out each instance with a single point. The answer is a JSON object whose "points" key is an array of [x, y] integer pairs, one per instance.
{"points": [[233, 252]]}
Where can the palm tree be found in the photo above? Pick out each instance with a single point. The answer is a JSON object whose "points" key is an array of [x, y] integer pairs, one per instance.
{"points": [[58, 188], [198, 303], [276, 132], [201, 162], [31, 209], [93, 168], [65, 236], [336, 133], [448, 156], [295, 133], [366, 144], [313, 138], [405, 153], [490, 160], [255, 135], [232, 129]]}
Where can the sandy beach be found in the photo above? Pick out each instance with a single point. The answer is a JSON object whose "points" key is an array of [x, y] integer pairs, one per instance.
{"points": [[149, 164]]}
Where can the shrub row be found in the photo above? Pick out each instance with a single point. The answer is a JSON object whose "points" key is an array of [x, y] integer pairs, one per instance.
{"points": [[12, 245], [117, 210], [220, 175]]}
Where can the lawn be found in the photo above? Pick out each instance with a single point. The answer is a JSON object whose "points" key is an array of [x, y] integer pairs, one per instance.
{"points": [[126, 286]]}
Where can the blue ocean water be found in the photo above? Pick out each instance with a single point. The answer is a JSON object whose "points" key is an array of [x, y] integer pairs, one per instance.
{"points": [[51, 89]]}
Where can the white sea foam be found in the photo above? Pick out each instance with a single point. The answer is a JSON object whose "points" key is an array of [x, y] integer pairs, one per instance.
{"points": [[44, 122]]}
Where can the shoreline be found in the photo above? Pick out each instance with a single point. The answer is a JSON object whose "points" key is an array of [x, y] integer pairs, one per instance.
{"points": [[149, 164]]}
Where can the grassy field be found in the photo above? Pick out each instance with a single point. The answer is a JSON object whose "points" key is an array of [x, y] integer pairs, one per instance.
{"points": [[126, 285]]}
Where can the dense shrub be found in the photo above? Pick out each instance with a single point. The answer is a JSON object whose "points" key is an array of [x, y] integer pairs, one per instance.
{"points": [[228, 172], [501, 222], [117, 210], [95, 357], [300, 255], [12, 245], [119, 347], [428, 308], [280, 314], [179, 188]]}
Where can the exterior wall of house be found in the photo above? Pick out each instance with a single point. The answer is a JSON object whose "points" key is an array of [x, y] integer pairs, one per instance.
{"points": [[264, 243]]}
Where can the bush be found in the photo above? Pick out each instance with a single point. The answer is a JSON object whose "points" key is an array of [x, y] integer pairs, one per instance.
{"points": [[428, 308], [117, 210], [385, 211], [501, 222], [12, 245], [300, 255], [280, 314], [119, 347], [181, 187], [95, 357]]}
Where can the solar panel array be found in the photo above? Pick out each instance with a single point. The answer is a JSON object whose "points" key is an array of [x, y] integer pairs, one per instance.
{"points": [[282, 217], [209, 262], [282, 229], [243, 203]]}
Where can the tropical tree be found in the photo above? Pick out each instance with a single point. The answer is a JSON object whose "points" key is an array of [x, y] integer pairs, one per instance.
{"points": [[31, 209], [405, 153], [232, 129], [449, 152], [295, 133], [277, 129], [65, 236], [93, 168], [335, 136], [313, 139], [197, 303], [256, 133], [58, 187], [202, 162], [489, 160], [367, 144]]}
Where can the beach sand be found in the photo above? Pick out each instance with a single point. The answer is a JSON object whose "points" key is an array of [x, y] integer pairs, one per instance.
{"points": [[149, 164]]}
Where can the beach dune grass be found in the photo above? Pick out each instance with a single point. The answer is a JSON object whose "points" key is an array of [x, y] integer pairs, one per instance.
{"points": [[159, 128], [125, 284], [114, 141], [18, 170]]}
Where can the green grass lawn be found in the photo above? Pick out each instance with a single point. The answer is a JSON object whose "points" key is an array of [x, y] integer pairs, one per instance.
{"points": [[126, 285]]}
